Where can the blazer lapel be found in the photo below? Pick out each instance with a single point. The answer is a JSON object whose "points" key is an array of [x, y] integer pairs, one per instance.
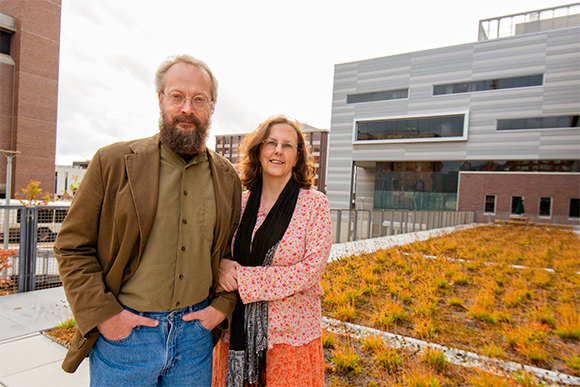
{"points": [[143, 175], [223, 187]]}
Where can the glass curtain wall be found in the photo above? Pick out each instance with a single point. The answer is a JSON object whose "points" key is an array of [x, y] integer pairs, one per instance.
{"points": [[433, 185]]}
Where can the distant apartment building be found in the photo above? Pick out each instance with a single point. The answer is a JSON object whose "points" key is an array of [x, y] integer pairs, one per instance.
{"points": [[29, 60], [317, 139], [472, 127]]}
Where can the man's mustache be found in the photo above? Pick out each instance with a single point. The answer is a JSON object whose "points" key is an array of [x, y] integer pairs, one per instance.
{"points": [[186, 118]]}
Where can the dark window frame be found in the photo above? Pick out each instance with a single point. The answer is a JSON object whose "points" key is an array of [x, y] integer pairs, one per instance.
{"points": [[574, 208], [444, 127], [374, 96], [489, 84], [541, 207], [539, 123], [486, 202], [5, 42], [514, 203]]}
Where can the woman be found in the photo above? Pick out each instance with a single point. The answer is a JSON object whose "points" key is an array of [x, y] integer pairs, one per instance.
{"points": [[280, 251]]}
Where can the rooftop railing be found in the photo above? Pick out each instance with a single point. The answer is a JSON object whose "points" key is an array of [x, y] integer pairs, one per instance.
{"points": [[529, 22]]}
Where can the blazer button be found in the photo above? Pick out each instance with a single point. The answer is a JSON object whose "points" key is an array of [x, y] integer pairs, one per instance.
{"points": [[182, 248], [127, 271]]}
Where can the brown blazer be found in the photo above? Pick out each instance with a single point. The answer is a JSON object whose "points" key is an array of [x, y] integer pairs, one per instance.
{"points": [[103, 236]]}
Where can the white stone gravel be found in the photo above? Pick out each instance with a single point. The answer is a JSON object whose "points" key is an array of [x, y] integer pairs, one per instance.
{"points": [[452, 355], [342, 250]]}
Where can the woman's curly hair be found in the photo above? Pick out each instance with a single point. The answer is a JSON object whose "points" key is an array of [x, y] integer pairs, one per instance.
{"points": [[249, 159]]}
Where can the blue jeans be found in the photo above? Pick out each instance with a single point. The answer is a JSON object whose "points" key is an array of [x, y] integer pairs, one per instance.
{"points": [[174, 353]]}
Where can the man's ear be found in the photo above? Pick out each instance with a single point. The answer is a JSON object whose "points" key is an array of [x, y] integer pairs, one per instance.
{"points": [[160, 97]]}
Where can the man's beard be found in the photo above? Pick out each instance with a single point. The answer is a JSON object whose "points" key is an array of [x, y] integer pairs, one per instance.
{"points": [[183, 142]]}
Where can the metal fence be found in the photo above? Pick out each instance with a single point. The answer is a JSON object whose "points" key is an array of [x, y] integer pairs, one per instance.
{"points": [[539, 220], [32, 231], [353, 225]]}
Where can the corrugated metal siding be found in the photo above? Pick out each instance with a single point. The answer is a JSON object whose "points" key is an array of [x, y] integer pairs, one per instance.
{"points": [[554, 53]]}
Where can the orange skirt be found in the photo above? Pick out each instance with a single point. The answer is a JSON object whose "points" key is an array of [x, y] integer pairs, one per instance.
{"points": [[286, 366]]}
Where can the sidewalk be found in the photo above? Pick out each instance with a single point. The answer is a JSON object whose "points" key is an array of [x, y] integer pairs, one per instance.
{"points": [[27, 358]]}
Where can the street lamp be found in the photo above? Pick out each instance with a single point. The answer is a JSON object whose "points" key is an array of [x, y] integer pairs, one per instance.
{"points": [[9, 156]]}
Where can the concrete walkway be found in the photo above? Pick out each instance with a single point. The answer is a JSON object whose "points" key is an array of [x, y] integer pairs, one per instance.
{"points": [[27, 358]]}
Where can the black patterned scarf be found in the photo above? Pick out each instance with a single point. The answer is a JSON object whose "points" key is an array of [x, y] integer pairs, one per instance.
{"points": [[249, 327]]}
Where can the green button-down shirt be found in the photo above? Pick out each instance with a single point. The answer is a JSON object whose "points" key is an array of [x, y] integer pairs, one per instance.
{"points": [[175, 268]]}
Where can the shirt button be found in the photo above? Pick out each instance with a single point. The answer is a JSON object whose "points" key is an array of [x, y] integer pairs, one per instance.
{"points": [[177, 303], [181, 276], [182, 248], [184, 221], [185, 193]]}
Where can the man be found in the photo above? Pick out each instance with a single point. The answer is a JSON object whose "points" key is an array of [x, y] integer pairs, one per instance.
{"points": [[140, 248]]}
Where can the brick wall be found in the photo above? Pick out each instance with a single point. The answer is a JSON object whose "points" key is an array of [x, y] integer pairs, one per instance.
{"points": [[32, 123], [474, 186]]}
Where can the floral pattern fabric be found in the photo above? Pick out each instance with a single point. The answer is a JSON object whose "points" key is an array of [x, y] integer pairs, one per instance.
{"points": [[291, 283]]}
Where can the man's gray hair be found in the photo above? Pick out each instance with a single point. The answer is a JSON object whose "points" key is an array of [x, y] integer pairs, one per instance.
{"points": [[166, 65]]}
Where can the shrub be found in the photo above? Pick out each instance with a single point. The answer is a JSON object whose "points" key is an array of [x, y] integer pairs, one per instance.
{"points": [[526, 380], [573, 361], [487, 379], [569, 323], [456, 302], [493, 351], [5, 281], [420, 378], [372, 343], [345, 359], [346, 312], [433, 357], [388, 358], [389, 314], [424, 327], [328, 339]]}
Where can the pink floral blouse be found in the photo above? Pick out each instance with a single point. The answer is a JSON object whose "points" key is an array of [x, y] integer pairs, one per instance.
{"points": [[292, 282]]}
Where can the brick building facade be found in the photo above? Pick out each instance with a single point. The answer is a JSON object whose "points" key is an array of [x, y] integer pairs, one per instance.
{"points": [[546, 195], [29, 62]]}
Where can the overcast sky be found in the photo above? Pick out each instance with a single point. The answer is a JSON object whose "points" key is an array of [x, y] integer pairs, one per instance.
{"points": [[270, 57]]}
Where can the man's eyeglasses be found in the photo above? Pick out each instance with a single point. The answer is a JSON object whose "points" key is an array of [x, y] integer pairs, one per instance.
{"points": [[177, 99], [271, 144]]}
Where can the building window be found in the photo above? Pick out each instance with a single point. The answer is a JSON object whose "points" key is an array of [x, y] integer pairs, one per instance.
{"points": [[515, 203], [545, 206], [489, 84], [4, 42], [384, 95], [574, 208], [489, 204], [423, 128], [539, 123]]}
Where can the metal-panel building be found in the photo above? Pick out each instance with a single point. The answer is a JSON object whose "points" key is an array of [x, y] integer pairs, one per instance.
{"points": [[405, 127]]}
